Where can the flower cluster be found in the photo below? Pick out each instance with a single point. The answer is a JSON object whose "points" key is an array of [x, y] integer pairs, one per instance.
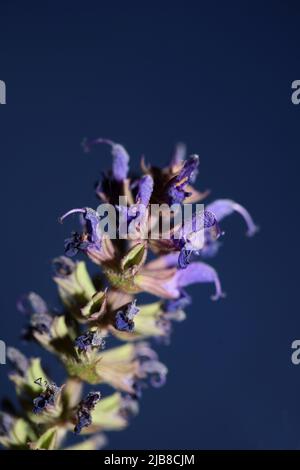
{"points": [[109, 304]]}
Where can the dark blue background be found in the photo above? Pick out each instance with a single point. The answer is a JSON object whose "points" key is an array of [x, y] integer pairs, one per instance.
{"points": [[216, 75]]}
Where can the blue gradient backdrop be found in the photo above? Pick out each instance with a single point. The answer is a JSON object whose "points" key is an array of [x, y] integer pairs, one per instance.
{"points": [[216, 75]]}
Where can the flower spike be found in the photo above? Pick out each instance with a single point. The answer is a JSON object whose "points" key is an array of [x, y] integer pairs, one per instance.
{"points": [[96, 307]]}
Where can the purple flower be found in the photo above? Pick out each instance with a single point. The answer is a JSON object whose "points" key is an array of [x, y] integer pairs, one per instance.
{"points": [[143, 351], [40, 320], [133, 218], [120, 164], [191, 237], [167, 261], [124, 319], [89, 340], [46, 399], [19, 362], [155, 371], [176, 187], [104, 301], [172, 305], [32, 303], [83, 414], [198, 272], [145, 190], [74, 244], [90, 239], [63, 266], [223, 207], [149, 369], [84, 420]]}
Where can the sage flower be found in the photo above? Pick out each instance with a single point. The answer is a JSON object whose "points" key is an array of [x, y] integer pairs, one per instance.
{"points": [[189, 238], [198, 272], [120, 161], [224, 207], [83, 415], [39, 317], [46, 399], [124, 319], [90, 241], [176, 188], [135, 216], [103, 306], [115, 182], [18, 361], [173, 305], [89, 340]]}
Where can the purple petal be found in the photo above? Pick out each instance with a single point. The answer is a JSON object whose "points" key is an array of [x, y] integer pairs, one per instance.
{"points": [[32, 303], [132, 310], [173, 305], [88, 340], [143, 350], [184, 258], [199, 221], [63, 266], [176, 187], [41, 323], [179, 154], [170, 260], [77, 242], [156, 371], [145, 190], [124, 319], [165, 261], [223, 207], [194, 273], [46, 398], [17, 359], [92, 224], [83, 414], [120, 163], [189, 167], [202, 226]]}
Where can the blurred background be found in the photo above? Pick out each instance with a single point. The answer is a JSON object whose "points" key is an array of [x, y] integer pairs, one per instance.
{"points": [[216, 75]]}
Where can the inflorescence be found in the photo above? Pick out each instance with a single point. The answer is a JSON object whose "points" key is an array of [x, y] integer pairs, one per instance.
{"points": [[94, 310]]}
